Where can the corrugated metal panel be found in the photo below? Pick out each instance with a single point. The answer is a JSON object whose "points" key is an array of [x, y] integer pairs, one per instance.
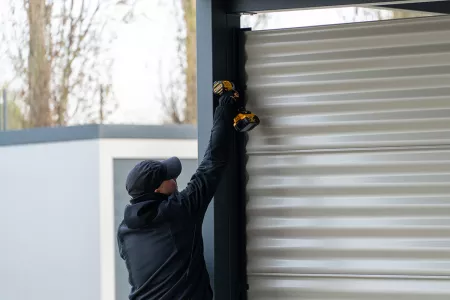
{"points": [[355, 213], [360, 85], [321, 288], [349, 171]]}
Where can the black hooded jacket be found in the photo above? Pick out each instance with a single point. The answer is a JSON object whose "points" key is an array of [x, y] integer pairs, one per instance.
{"points": [[160, 237]]}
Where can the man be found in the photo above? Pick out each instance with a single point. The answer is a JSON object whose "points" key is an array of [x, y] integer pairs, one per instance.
{"points": [[160, 238]]}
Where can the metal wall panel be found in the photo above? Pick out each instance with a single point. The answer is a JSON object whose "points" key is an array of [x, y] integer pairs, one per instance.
{"points": [[349, 171], [355, 213], [348, 288], [360, 85]]}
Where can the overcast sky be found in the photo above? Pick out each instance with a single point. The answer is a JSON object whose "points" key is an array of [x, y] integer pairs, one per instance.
{"points": [[142, 45]]}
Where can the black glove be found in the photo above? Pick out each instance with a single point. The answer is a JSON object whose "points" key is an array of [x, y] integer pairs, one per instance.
{"points": [[230, 97]]}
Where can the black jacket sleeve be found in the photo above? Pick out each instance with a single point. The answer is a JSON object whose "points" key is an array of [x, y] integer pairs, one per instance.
{"points": [[203, 184]]}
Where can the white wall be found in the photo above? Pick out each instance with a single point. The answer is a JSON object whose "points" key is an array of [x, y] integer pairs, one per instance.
{"points": [[57, 215], [49, 221]]}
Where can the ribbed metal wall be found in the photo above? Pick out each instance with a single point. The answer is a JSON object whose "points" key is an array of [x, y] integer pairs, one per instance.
{"points": [[349, 189]]}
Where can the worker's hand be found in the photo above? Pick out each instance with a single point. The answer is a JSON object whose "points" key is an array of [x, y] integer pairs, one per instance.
{"points": [[230, 97]]}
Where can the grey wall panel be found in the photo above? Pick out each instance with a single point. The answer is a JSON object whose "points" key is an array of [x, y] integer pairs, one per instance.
{"points": [[121, 199], [347, 288], [349, 171], [351, 86], [364, 213]]}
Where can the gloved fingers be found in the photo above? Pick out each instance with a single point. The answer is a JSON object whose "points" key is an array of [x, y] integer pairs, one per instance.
{"points": [[229, 97]]}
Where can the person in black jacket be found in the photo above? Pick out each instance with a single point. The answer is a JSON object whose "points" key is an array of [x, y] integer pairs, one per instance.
{"points": [[160, 238]]}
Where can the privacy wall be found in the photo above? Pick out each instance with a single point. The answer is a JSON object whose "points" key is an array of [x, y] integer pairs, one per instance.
{"points": [[349, 171], [49, 221], [61, 191]]}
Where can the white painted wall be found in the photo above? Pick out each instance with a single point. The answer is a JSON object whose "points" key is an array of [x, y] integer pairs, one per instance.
{"points": [[57, 215], [49, 221]]}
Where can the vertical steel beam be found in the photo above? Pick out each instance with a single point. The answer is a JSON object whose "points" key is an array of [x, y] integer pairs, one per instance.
{"points": [[217, 59]]}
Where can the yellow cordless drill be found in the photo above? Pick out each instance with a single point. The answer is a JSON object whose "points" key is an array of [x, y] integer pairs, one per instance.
{"points": [[245, 120]]}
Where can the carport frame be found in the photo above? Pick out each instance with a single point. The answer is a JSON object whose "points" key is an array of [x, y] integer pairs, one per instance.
{"points": [[219, 56]]}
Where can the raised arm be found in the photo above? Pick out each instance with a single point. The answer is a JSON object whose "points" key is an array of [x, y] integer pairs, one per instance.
{"points": [[203, 184]]}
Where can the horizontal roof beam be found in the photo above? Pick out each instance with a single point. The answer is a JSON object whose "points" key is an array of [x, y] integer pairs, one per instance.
{"points": [[438, 7], [90, 132], [254, 6]]}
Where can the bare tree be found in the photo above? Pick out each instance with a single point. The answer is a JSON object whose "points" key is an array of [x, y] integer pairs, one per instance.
{"points": [[170, 94], [68, 60], [15, 118], [174, 93], [39, 63], [190, 70], [178, 106], [183, 108], [131, 12]]}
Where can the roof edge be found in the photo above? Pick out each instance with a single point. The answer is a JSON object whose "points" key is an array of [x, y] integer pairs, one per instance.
{"points": [[89, 132]]}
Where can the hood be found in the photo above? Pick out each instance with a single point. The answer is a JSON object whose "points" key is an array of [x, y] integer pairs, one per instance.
{"points": [[143, 211]]}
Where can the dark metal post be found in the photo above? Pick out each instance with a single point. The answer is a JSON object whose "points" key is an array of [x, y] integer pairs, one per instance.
{"points": [[205, 108], [5, 110], [217, 59], [271, 5]]}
